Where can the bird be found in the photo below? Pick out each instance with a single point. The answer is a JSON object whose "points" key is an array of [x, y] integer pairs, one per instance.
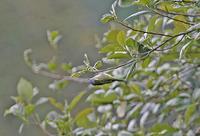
{"points": [[103, 78]]}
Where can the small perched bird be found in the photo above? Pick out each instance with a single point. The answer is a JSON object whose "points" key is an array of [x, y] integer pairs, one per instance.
{"points": [[142, 49], [103, 78]]}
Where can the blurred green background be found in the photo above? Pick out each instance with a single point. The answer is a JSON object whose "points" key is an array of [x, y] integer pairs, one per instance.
{"points": [[23, 25]]}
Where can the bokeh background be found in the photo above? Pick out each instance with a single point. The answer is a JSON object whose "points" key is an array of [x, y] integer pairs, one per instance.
{"points": [[23, 24]]}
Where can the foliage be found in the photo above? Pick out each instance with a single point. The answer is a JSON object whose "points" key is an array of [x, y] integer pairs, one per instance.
{"points": [[153, 88]]}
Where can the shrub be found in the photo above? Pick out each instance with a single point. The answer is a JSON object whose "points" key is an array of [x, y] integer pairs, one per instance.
{"points": [[147, 83]]}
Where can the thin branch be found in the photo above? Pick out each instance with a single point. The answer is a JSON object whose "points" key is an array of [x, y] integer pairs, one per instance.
{"points": [[193, 2], [116, 67], [141, 31], [61, 77], [165, 15], [173, 45], [171, 38], [182, 14]]}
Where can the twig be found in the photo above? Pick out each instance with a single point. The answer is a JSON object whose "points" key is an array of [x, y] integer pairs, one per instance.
{"points": [[141, 31], [185, 1], [173, 45], [173, 13], [169, 39], [118, 66], [165, 15]]}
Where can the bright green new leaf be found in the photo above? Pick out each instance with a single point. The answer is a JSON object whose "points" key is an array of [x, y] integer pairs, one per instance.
{"points": [[29, 109], [107, 18], [53, 38], [52, 66]]}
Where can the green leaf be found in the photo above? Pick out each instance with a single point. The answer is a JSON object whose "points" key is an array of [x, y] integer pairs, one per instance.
{"points": [[111, 48], [189, 112], [146, 62], [82, 119], [97, 99], [107, 18], [125, 3], [98, 64], [53, 38], [136, 89], [66, 66], [119, 55], [25, 90], [179, 26], [61, 84], [131, 43], [76, 100], [152, 24], [121, 38], [56, 104], [183, 50], [162, 127], [111, 36], [29, 109], [54, 34], [52, 66]]}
